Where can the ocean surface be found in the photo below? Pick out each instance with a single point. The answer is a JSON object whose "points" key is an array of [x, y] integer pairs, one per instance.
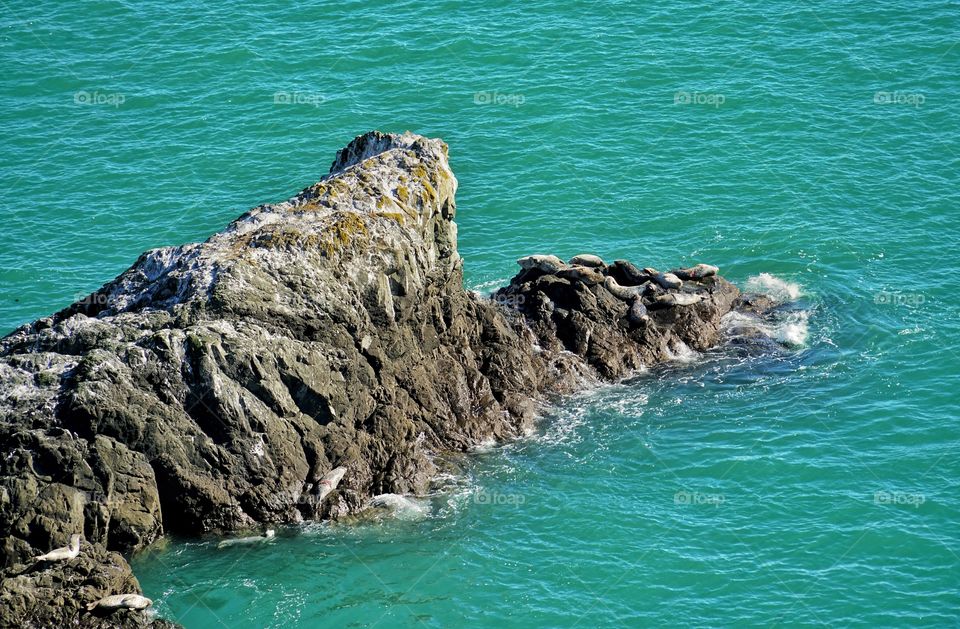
{"points": [[808, 149]]}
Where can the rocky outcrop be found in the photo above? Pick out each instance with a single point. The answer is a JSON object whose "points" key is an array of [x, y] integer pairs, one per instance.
{"points": [[44, 596], [212, 386]]}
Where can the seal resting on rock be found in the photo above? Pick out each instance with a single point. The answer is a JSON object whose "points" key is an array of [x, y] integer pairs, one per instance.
{"points": [[120, 601], [679, 299], [625, 293], [547, 264], [330, 481], [587, 275], [62, 554], [697, 272], [638, 311], [668, 280], [586, 259]]}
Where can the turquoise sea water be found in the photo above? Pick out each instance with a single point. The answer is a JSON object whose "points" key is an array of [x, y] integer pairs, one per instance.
{"points": [[814, 142]]}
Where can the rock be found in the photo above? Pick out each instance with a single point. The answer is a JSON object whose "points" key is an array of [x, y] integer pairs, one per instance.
{"points": [[230, 384], [627, 274], [697, 272], [59, 594], [586, 259], [546, 264], [668, 280], [754, 303]]}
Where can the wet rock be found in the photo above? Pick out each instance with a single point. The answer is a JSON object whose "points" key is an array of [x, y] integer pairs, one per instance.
{"points": [[33, 595], [755, 303], [626, 274]]}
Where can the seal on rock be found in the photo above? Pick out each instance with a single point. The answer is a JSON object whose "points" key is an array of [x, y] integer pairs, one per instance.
{"points": [[626, 293], [668, 280], [697, 272], [679, 299], [585, 274], [637, 312], [61, 554], [545, 263], [120, 601], [587, 259], [330, 481]]}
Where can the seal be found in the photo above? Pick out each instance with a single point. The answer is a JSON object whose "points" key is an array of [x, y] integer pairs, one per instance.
{"points": [[697, 272], [330, 481], [268, 534], [679, 299], [120, 601], [638, 312], [587, 275], [61, 554], [626, 293], [668, 280], [547, 264], [587, 259]]}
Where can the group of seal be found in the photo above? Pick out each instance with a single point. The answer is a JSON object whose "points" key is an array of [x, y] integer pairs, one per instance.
{"points": [[640, 288], [109, 603]]}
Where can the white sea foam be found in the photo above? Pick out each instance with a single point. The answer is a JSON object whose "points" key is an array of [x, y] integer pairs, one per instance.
{"points": [[402, 507], [485, 446], [793, 329], [789, 327], [682, 353], [778, 289], [485, 289]]}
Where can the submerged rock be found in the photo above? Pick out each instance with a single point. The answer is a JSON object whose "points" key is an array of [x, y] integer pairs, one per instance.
{"points": [[313, 354]]}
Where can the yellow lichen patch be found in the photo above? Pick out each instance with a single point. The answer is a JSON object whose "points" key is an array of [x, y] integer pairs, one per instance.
{"points": [[429, 191], [403, 194], [394, 216], [349, 227]]}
